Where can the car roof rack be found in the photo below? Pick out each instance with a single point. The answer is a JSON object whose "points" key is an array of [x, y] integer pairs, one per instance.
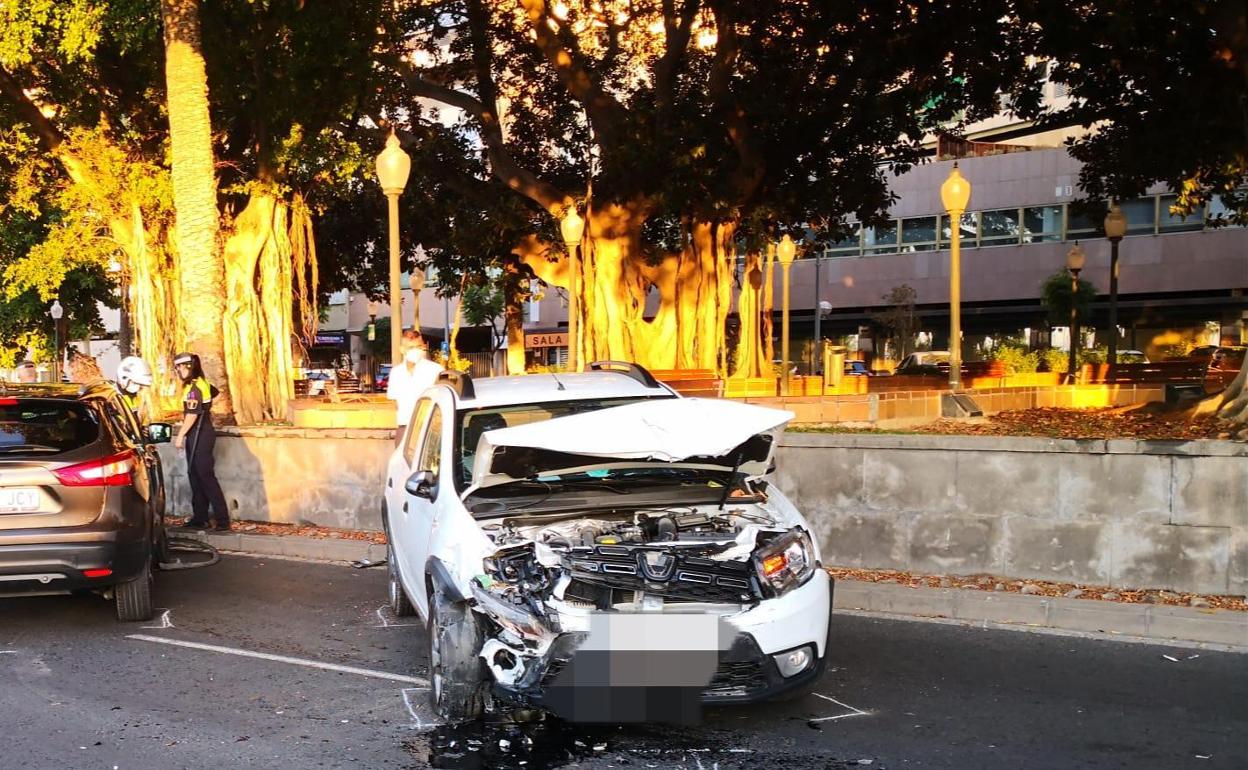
{"points": [[460, 382], [636, 371]]}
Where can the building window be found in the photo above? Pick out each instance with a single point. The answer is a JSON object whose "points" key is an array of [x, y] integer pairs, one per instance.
{"points": [[968, 231], [918, 234], [1000, 227], [881, 240], [1219, 211], [1141, 215], [849, 246], [1082, 225], [1042, 223], [1175, 223]]}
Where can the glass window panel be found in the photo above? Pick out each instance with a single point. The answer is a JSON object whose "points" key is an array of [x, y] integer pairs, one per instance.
{"points": [[1083, 225], [1218, 209], [1175, 223], [1000, 227], [881, 240], [918, 234], [847, 246], [1141, 215], [969, 229], [1042, 223]]}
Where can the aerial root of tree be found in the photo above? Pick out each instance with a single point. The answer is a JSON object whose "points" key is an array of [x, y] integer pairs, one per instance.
{"points": [[693, 288], [1233, 403], [269, 257]]}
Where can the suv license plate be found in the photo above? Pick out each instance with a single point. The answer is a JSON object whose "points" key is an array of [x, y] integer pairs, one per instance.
{"points": [[19, 500]]}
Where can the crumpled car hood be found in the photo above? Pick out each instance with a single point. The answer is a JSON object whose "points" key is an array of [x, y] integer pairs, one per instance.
{"points": [[690, 431]]}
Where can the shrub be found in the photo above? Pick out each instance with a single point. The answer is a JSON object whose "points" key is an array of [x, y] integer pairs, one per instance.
{"points": [[1016, 358], [1054, 360]]}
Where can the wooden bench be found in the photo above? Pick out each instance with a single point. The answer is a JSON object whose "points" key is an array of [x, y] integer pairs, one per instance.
{"points": [[691, 382], [1192, 376]]}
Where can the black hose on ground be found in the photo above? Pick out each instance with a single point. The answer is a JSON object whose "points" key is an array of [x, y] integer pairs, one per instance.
{"points": [[189, 545]]}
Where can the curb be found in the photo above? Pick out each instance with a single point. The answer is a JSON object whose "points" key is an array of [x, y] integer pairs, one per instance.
{"points": [[1155, 623]]}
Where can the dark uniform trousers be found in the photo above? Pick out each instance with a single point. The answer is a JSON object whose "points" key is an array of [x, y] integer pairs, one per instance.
{"points": [[200, 443]]}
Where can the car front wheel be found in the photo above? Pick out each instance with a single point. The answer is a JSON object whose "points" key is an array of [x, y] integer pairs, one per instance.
{"points": [[456, 672], [400, 605]]}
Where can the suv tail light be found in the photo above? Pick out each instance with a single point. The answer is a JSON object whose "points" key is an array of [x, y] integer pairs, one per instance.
{"points": [[112, 471]]}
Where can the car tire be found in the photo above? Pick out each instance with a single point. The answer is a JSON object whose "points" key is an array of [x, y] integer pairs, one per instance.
{"points": [[134, 597], [400, 605], [457, 676]]}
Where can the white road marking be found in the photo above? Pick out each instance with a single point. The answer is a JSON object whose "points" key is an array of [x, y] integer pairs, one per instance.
{"points": [[855, 712], [413, 711], [163, 622], [385, 621], [413, 680]]}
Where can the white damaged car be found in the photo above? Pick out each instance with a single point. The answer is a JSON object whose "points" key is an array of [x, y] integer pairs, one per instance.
{"points": [[597, 546]]}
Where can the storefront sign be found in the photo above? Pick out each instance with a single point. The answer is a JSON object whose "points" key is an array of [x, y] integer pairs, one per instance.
{"points": [[546, 340], [331, 338]]}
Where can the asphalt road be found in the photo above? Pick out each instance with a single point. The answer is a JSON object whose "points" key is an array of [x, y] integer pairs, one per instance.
{"points": [[76, 691]]}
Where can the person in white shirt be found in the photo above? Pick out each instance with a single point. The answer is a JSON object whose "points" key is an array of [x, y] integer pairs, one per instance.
{"points": [[409, 378]]}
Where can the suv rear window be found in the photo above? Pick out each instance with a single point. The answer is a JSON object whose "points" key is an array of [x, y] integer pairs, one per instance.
{"points": [[45, 426]]}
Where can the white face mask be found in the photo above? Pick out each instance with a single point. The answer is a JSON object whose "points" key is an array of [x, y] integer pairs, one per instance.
{"points": [[414, 356]]}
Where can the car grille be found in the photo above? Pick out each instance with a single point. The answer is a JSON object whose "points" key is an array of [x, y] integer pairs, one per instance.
{"points": [[739, 678], [664, 571]]}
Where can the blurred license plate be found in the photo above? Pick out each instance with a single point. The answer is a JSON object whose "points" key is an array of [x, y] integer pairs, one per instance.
{"points": [[19, 500]]}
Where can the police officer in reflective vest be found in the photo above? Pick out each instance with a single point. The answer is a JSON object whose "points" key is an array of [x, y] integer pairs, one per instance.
{"points": [[198, 436]]}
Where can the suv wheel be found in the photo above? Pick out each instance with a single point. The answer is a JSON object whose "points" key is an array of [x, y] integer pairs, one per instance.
{"points": [[134, 597], [457, 675], [400, 605]]}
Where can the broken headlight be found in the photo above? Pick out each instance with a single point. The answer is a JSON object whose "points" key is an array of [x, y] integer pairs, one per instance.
{"points": [[786, 562]]}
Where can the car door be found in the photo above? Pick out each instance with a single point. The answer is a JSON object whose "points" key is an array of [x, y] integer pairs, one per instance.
{"points": [[401, 466], [420, 512]]}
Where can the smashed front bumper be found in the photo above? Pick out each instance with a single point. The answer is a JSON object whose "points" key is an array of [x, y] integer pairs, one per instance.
{"points": [[604, 685]]}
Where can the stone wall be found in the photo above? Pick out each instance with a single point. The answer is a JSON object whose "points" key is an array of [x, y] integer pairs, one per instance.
{"points": [[328, 477], [1138, 514], [1124, 513]]}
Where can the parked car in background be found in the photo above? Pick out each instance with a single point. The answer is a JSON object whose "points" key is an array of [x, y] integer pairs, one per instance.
{"points": [[1227, 359], [82, 497], [550, 529], [857, 369], [929, 362]]}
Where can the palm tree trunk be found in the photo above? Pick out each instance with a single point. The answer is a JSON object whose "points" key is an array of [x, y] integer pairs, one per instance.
{"points": [[195, 194]]}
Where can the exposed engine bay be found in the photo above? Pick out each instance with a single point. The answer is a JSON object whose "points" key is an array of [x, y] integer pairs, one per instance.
{"points": [[552, 572]]}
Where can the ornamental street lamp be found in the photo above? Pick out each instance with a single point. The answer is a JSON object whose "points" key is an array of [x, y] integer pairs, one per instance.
{"points": [[755, 278], [1075, 260], [955, 194], [1115, 229], [57, 312], [393, 168], [572, 228], [786, 251]]}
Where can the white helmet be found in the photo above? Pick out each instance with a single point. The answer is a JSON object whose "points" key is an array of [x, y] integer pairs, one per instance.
{"points": [[133, 373]]}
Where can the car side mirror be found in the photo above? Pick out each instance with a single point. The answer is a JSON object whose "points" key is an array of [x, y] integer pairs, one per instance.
{"points": [[160, 433], [421, 484]]}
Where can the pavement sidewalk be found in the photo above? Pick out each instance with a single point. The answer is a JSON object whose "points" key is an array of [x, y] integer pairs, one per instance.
{"points": [[1161, 624]]}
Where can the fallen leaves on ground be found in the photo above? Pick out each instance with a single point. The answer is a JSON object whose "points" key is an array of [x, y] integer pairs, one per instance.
{"points": [[1042, 588], [1106, 423], [299, 530]]}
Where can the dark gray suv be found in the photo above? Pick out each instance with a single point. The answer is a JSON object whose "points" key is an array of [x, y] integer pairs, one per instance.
{"points": [[82, 498]]}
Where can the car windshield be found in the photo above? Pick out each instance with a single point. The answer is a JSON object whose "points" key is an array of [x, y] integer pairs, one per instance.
{"points": [[44, 426], [471, 423]]}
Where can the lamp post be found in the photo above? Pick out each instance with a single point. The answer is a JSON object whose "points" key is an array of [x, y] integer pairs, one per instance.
{"points": [[572, 228], [755, 278], [1115, 229], [955, 194], [57, 312], [393, 167], [786, 251], [815, 355], [1075, 259]]}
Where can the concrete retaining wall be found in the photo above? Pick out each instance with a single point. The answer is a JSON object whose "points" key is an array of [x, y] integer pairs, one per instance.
{"points": [[1135, 514], [1122, 513], [328, 477]]}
